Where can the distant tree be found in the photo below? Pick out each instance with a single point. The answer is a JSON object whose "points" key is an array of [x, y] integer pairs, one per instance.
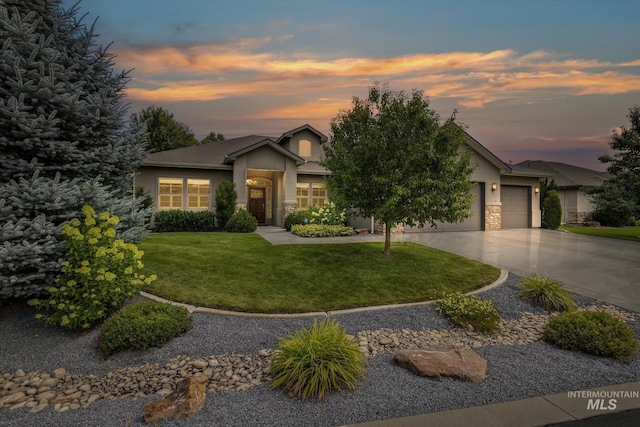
{"points": [[546, 186], [617, 201], [63, 141], [392, 159], [212, 137], [552, 210], [225, 202], [164, 132]]}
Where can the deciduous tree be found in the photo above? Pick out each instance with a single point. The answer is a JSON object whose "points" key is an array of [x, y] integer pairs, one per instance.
{"points": [[164, 132], [391, 158]]}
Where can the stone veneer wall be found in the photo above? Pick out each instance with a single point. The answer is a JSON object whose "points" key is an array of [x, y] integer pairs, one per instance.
{"points": [[241, 205], [378, 227], [579, 217], [493, 217], [288, 208]]}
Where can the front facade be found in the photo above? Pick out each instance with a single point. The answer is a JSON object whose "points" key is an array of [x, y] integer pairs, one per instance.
{"points": [[275, 176], [573, 183]]}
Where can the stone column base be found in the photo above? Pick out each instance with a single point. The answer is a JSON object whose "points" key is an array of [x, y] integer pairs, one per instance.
{"points": [[288, 208], [493, 217]]}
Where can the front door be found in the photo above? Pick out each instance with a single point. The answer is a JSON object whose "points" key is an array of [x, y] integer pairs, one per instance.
{"points": [[257, 203]]}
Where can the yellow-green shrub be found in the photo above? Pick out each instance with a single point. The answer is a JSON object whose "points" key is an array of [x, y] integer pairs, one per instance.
{"points": [[312, 362], [320, 230], [98, 275]]}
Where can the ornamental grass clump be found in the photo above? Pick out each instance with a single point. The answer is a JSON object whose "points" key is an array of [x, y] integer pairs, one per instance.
{"points": [[312, 362], [468, 310], [142, 325], [549, 294], [99, 273], [593, 332]]}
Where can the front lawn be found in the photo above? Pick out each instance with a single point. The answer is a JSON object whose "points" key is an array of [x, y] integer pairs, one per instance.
{"points": [[624, 233], [244, 272]]}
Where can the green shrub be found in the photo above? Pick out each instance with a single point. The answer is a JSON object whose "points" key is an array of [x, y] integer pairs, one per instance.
{"points": [[179, 220], [469, 310], [226, 197], [594, 332], [312, 362], [548, 293], [551, 210], [242, 222], [296, 218], [142, 325], [99, 274], [317, 230]]}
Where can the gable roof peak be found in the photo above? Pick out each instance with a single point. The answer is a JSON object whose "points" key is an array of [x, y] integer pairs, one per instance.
{"points": [[289, 134]]}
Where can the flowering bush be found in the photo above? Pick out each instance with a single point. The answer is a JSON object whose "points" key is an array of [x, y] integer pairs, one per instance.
{"points": [[469, 310], [99, 274], [327, 215]]}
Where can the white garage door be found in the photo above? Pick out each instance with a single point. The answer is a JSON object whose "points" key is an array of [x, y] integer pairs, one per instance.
{"points": [[515, 206], [473, 223]]}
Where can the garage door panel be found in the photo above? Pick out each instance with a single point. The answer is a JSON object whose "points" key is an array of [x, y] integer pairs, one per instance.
{"points": [[515, 206], [473, 223]]}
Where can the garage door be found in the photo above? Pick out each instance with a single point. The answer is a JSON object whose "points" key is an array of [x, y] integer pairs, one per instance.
{"points": [[473, 223], [515, 206]]}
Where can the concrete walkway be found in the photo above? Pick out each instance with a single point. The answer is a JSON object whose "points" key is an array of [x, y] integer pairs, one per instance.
{"points": [[601, 268], [605, 269]]}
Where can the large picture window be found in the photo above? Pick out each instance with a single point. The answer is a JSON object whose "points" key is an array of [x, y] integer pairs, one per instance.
{"points": [[198, 194], [170, 193], [319, 195], [302, 196]]}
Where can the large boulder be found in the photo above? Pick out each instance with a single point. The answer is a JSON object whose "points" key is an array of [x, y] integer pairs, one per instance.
{"points": [[462, 363], [184, 402]]}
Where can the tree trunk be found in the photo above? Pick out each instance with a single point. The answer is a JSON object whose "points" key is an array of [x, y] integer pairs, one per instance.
{"points": [[387, 239]]}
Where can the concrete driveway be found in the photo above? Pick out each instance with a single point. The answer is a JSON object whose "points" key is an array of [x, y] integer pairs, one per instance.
{"points": [[602, 268]]}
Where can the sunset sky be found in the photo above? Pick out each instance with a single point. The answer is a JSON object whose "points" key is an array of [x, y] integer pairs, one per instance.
{"points": [[537, 80]]}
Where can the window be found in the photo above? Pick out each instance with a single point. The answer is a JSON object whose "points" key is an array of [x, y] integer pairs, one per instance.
{"points": [[170, 193], [304, 148], [197, 194], [319, 195], [302, 196]]}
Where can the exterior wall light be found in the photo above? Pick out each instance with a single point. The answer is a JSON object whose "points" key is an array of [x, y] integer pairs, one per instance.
{"points": [[494, 186], [536, 190]]}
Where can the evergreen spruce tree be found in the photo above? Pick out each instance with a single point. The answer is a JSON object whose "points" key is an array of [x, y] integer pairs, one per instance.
{"points": [[63, 140]]}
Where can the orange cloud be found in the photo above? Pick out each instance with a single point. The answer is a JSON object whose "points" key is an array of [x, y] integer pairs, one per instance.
{"points": [[243, 67]]}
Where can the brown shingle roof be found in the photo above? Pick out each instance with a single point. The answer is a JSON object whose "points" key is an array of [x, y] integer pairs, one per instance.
{"points": [[205, 155], [565, 175]]}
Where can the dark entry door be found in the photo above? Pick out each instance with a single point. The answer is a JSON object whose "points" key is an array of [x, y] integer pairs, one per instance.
{"points": [[257, 203]]}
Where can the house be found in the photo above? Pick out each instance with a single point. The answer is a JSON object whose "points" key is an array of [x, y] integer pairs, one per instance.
{"points": [[572, 182], [275, 176]]}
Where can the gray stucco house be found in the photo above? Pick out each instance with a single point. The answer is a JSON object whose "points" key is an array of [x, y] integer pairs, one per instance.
{"points": [[278, 175], [573, 182]]}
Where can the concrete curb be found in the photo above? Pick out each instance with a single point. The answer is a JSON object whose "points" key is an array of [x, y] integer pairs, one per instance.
{"points": [[193, 309]]}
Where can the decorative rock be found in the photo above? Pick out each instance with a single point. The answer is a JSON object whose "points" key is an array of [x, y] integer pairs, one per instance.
{"points": [[200, 364], [185, 402], [461, 363], [59, 373]]}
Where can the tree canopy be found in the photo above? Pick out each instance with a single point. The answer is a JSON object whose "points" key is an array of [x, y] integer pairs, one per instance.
{"points": [[212, 137], [617, 201], [392, 159], [164, 132]]}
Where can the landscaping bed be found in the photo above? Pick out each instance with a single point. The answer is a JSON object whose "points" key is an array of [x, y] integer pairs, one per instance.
{"points": [[515, 370]]}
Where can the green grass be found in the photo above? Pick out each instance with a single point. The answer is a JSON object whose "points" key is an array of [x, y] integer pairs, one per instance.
{"points": [[624, 233], [244, 272]]}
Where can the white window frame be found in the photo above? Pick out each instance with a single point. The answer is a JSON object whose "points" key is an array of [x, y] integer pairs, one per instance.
{"points": [[175, 199], [202, 199]]}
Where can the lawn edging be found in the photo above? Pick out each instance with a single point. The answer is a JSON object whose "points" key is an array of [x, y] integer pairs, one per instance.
{"points": [[193, 309]]}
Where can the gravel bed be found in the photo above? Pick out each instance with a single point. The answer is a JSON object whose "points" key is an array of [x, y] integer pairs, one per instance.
{"points": [[514, 371]]}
